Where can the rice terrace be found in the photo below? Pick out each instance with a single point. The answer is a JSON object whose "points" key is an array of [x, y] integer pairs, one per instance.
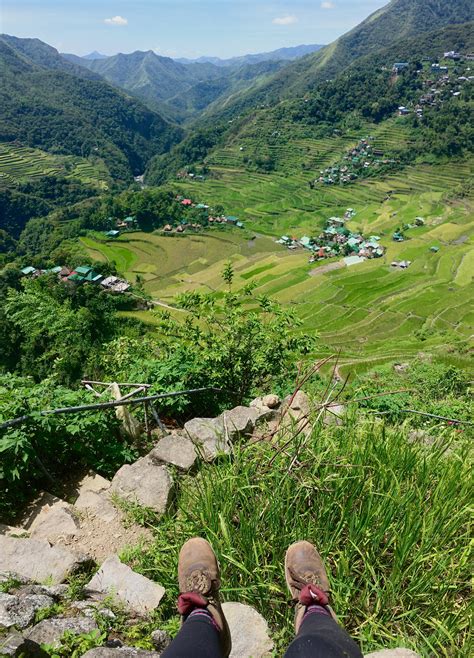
{"points": [[371, 313]]}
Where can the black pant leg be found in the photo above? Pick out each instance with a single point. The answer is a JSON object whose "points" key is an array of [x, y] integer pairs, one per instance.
{"points": [[321, 637], [198, 638]]}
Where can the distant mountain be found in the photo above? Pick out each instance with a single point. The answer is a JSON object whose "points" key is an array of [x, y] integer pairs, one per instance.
{"points": [[397, 20], [282, 54], [179, 91], [44, 104], [94, 55], [47, 57]]}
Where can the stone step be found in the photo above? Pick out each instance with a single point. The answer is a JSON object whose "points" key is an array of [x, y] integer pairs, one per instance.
{"points": [[37, 560], [249, 631], [145, 482], [136, 593]]}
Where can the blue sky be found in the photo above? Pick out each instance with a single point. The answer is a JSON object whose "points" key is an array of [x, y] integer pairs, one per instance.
{"points": [[182, 28]]}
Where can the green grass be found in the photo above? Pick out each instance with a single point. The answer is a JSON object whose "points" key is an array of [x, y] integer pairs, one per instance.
{"points": [[390, 519], [19, 164]]}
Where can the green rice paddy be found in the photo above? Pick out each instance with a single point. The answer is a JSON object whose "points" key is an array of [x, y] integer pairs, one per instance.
{"points": [[19, 164], [371, 313]]}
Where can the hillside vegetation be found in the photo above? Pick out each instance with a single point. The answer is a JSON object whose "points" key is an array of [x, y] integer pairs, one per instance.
{"points": [[179, 91], [65, 114], [398, 20]]}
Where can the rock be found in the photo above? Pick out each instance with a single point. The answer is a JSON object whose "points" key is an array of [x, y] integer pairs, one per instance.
{"points": [[58, 523], [241, 421], [92, 608], [176, 450], [15, 612], [37, 560], [50, 631], [393, 653], [19, 611], [96, 504], [297, 412], [161, 640], [92, 482], [271, 401], [145, 483], [54, 591], [401, 367], [299, 406], [122, 652], [249, 630], [267, 401], [43, 505], [208, 434], [14, 578], [92, 497], [137, 593], [335, 415], [422, 437], [12, 645]]}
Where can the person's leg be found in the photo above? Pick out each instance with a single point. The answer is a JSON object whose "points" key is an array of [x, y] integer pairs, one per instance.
{"points": [[204, 633], [318, 633], [198, 638]]}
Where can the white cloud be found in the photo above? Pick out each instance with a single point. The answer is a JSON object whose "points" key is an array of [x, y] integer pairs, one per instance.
{"points": [[328, 5], [285, 20], [116, 20]]}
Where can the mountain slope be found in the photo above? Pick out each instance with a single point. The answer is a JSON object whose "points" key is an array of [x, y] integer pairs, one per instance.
{"points": [[364, 91], [179, 91], [51, 109], [397, 20]]}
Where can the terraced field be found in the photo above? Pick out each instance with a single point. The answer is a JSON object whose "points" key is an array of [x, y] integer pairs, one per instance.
{"points": [[19, 164], [371, 312]]}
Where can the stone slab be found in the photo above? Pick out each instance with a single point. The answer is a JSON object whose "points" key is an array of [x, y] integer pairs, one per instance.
{"points": [[176, 450], [249, 631], [57, 524], [12, 644], [92, 482], [137, 593], [208, 434], [97, 504], [37, 560], [144, 482], [50, 631]]}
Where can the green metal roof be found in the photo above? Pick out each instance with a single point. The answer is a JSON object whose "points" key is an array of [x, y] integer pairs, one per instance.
{"points": [[83, 269]]}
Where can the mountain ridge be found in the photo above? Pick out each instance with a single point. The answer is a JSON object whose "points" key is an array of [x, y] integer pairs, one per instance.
{"points": [[396, 20], [285, 53]]}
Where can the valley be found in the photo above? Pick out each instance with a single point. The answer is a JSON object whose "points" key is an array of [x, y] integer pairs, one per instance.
{"points": [[371, 313]]}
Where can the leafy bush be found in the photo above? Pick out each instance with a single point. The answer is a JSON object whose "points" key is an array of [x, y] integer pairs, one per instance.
{"points": [[41, 450], [233, 342]]}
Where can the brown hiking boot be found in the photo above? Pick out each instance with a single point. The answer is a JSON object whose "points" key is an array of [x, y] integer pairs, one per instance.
{"points": [[303, 567], [199, 583]]}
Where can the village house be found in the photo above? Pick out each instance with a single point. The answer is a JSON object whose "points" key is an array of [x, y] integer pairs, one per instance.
{"points": [[114, 284], [398, 67]]}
